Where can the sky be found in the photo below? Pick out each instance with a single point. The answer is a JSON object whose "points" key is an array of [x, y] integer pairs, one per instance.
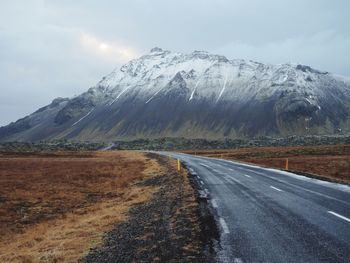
{"points": [[60, 48]]}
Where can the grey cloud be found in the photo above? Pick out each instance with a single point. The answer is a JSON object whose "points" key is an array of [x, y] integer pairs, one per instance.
{"points": [[42, 57]]}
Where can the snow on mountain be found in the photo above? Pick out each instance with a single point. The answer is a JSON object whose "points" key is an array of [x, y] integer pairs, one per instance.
{"points": [[199, 94], [211, 76]]}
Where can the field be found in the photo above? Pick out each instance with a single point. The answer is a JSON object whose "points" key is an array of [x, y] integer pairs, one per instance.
{"points": [[329, 161], [67, 206], [54, 207]]}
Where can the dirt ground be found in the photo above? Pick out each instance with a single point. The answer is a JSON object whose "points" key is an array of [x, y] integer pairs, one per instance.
{"points": [[329, 161], [174, 226], [55, 207]]}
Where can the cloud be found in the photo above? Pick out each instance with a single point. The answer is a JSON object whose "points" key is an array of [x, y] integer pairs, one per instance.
{"points": [[110, 50], [46, 62], [325, 50], [51, 48]]}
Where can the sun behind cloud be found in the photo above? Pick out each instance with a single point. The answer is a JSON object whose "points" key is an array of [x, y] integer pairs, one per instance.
{"points": [[109, 50]]}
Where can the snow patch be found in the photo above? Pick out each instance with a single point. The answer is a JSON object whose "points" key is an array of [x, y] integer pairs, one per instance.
{"points": [[82, 118], [194, 90], [121, 93], [223, 88], [155, 94]]}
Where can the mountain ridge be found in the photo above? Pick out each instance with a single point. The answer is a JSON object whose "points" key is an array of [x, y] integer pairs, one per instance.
{"points": [[196, 95]]}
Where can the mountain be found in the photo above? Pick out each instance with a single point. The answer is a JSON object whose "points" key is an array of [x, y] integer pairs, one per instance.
{"points": [[197, 95]]}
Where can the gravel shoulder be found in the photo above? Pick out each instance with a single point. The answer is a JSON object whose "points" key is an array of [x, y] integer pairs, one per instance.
{"points": [[174, 226]]}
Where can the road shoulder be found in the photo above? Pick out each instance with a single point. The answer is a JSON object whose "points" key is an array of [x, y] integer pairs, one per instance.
{"points": [[171, 227]]}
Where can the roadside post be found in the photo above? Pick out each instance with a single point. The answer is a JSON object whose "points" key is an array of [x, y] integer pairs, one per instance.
{"points": [[178, 165], [287, 164]]}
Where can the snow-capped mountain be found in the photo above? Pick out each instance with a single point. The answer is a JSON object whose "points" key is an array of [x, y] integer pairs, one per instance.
{"points": [[197, 95]]}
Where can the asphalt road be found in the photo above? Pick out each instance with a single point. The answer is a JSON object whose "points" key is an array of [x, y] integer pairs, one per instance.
{"points": [[267, 215]]}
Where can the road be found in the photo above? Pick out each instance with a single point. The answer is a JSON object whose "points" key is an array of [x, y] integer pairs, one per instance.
{"points": [[267, 215]]}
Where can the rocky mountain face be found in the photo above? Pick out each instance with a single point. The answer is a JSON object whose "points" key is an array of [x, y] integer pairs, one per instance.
{"points": [[197, 95]]}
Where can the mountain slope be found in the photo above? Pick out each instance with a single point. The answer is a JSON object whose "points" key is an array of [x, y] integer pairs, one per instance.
{"points": [[195, 95]]}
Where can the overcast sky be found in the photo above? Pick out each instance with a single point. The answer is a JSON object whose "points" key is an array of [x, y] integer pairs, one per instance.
{"points": [[60, 48]]}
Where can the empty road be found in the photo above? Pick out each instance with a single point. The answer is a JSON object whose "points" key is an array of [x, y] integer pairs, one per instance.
{"points": [[266, 215]]}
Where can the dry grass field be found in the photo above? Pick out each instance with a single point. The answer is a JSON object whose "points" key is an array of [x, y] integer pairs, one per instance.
{"points": [[330, 161], [55, 207]]}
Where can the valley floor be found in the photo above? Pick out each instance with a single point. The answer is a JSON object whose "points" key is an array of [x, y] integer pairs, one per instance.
{"points": [[115, 206]]}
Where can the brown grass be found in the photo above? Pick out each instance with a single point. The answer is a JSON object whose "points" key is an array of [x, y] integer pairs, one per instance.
{"points": [[55, 207], [331, 161]]}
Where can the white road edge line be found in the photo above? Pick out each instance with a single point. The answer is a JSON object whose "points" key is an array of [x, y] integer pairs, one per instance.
{"points": [[300, 187], [340, 216], [214, 203], [224, 226], [235, 180], [247, 175], [207, 166], [277, 189]]}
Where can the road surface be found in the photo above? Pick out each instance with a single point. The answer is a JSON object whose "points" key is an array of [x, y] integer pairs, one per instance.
{"points": [[267, 215]]}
